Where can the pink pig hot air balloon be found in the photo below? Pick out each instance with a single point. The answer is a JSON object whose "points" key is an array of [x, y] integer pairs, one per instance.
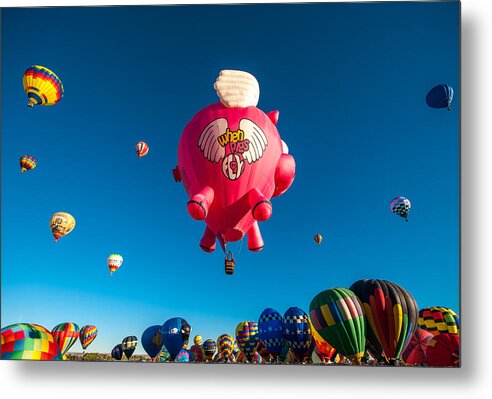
{"points": [[232, 161]]}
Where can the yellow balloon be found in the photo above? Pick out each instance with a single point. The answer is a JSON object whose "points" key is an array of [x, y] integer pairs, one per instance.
{"points": [[61, 224]]}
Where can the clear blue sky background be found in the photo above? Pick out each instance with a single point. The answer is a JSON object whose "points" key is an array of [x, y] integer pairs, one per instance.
{"points": [[350, 82]]}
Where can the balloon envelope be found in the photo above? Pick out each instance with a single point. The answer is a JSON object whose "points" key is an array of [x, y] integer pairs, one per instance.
{"points": [[247, 339], [28, 342], [175, 334], [42, 86], [337, 316], [270, 327], [439, 320], [225, 344], [117, 352], [114, 262], [416, 351], [440, 96], [209, 347], [87, 335], [391, 313], [400, 206], [142, 149], [297, 332], [27, 162], [152, 341], [61, 224], [443, 350], [129, 344], [318, 238], [66, 334]]}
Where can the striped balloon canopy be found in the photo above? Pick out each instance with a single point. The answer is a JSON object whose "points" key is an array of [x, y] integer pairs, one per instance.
{"points": [[270, 327], [66, 334], [27, 162], [247, 339], [337, 315], [24, 341], [128, 345], [391, 313], [416, 351], [142, 149], [318, 238], [439, 320], [225, 344], [87, 335], [297, 332], [42, 86], [401, 206]]}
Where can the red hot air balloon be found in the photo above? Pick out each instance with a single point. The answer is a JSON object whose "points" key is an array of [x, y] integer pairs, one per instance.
{"points": [[443, 350], [232, 161]]}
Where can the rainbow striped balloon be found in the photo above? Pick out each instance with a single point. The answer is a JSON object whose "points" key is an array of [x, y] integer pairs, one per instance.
{"points": [[87, 335], [225, 343], [28, 342], [42, 86], [66, 334], [27, 162], [247, 338]]}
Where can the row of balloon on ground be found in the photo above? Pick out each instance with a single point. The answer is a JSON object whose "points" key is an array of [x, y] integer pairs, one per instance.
{"points": [[374, 319]]}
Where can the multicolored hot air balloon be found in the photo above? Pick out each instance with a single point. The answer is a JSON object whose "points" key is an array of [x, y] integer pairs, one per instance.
{"points": [[391, 314], [142, 149], [318, 238], [114, 262], [416, 351], [117, 352], [27, 162], [198, 340], [400, 206], [198, 354], [175, 334], [247, 339], [87, 335], [440, 96], [66, 334], [443, 350], [128, 345], [337, 316], [261, 349], [152, 341], [61, 224], [439, 320], [270, 328], [42, 86], [297, 332], [322, 348], [209, 347], [225, 344], [231, 161], [24, 341]]}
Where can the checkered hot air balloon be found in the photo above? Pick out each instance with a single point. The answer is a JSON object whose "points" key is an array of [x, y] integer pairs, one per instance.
{"points": [[270, 327], [391, 313], [87, 335], [439, 320], [337, 316], [66, 334], [27, 162], [142, 149], [297, 332], [247, 339], [401, 206], [42, 86], [128, 345], [24, 341]]}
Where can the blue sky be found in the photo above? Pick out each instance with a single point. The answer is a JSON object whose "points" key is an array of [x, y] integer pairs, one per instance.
{"points": [[349, 81]]}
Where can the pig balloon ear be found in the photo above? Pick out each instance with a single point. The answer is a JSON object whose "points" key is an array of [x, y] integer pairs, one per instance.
{"points": [[237, 89], [273, 115]]}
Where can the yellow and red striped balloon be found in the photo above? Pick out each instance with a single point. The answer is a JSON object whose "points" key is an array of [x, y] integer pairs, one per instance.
{"points": [[27, 162], [42, 86], [66, 334]]}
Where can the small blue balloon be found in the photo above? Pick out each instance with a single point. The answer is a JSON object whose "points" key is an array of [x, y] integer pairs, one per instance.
{"points": [[440, 96], [152, 341]]}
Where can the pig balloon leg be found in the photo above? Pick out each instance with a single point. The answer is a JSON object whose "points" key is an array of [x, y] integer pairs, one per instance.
{"points": [[255, 241], [199, 204], [284, 174], [207, 243], [261, 208]]}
